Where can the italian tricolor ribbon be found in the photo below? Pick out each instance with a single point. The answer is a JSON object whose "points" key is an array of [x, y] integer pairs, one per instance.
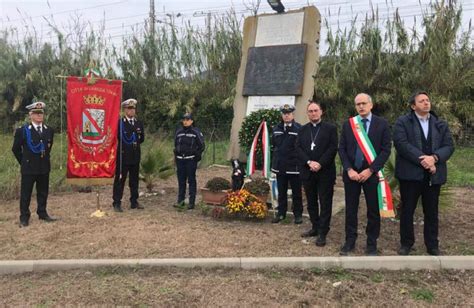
{"points": [[265, 150], [383, 188]]}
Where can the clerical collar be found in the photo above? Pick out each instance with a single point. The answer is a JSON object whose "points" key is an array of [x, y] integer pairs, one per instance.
{"points": [[314, 124], [423, 118]]}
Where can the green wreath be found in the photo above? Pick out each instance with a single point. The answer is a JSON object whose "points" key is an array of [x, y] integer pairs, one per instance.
{"points": [[250, 127]]}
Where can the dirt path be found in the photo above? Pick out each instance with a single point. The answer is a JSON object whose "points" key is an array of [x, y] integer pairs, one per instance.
{"points": [[161, 231]]}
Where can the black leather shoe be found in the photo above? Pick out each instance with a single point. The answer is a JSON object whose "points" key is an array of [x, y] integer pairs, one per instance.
{"points": [[404, 251], [277, 219], [24, 223], [310, 233], [118, 209], [371, 251], [48, 218], [433, 251], [191, 207], [137, 206], [321, 241], [346, 249], [298, 220]]}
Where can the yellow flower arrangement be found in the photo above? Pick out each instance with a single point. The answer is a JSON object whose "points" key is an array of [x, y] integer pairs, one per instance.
{"points": [[242, 201]]}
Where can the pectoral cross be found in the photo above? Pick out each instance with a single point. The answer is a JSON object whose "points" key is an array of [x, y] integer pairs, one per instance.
{"points": [[312, 146]]}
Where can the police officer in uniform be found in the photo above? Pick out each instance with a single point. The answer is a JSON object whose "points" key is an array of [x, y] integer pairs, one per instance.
{"points": [[32, 147], [130, 135], [285, 164], [188, 148]]}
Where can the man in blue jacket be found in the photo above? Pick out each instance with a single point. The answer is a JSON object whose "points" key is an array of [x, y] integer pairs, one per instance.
{"points": [[188, 148], [285, 164], [423, 144]]}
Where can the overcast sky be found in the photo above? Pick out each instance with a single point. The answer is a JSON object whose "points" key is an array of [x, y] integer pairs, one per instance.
{"points": [[122, 15]]}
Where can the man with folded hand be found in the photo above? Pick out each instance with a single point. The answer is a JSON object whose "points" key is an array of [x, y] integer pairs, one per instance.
{"points": [[424, 144], [317, 147]]}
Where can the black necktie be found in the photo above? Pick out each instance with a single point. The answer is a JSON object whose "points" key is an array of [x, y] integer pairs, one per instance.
{"points": [[359, 156], [38, 129], [131, 122]]}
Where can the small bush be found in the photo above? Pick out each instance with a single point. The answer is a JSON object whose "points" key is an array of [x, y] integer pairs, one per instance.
{"points": [[217, 184], [258, 186]]}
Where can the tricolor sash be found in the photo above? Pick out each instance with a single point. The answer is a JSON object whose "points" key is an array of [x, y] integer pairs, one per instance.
{"points": [[265, 149], [383, 188]]}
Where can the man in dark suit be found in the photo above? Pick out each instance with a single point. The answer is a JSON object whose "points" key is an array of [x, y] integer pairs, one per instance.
{"points": [[285, 164], [423, 144], [130, 136], [358, 174], [317, 148], [32, 147]]}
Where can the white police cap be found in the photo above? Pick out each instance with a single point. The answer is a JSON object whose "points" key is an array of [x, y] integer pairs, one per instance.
{"points": [[130, 103], [36, 107]]}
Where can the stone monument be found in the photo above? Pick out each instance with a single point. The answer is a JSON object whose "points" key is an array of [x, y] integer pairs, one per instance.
{"points": [[280, 54]]}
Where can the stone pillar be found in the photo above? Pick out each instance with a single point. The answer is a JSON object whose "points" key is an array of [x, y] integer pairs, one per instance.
{"points": [[294, 27]]}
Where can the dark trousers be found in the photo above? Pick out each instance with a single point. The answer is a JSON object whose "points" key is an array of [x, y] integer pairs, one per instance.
{"points": [[410, 192], [319, 192], [352, 191], [186, 171], [295, 184], [119, 183], [42, 188]]}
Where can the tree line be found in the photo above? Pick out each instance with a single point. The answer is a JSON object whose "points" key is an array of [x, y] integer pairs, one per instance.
{"points": [[184, 68]]}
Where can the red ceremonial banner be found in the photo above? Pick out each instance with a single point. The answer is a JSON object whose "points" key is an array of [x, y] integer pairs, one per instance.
{"points": [[93, 111]]}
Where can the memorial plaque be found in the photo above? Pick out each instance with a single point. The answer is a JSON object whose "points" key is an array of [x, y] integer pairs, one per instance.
{"points": [[255, 103], [275, 70], [279, 29]]}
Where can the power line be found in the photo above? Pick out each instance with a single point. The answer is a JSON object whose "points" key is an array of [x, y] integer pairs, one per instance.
{"points": [[70, 11]]}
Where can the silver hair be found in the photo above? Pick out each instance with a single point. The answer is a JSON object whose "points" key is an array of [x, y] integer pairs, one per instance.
{"points": [[368, 96]]}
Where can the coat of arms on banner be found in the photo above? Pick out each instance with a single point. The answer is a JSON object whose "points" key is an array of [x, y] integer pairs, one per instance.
{"points": [[93, 135], [92, 124]]}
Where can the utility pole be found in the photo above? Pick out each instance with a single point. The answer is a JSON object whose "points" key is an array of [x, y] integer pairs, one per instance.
{"points": [[152, 18]]}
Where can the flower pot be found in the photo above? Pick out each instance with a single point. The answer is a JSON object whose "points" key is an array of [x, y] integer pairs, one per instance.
{"points": [[214, 198]]}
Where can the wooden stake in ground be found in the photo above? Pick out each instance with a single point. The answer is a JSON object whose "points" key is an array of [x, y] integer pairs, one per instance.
{"points": [[98, 213]]}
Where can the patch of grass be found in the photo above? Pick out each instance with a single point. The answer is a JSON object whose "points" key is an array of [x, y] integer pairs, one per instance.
{"points": [[460, 172], [106, 271], [423, 295], [205, 208], [411, 279], [339, 273], [316, 271], [275, 275], [215, 153], [165, 290], [465, 249], [377, 278]]}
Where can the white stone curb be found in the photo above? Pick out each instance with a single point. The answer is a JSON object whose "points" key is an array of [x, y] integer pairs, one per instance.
{"points": [[359, 263]]}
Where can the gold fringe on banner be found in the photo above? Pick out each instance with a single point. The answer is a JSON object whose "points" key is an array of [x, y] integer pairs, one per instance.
{"points": [[90, 181]]}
